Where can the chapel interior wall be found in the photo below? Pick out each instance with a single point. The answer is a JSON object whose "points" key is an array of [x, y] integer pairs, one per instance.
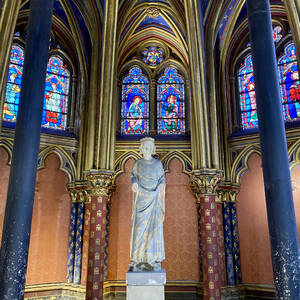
{"points": [[48, 250], [254, 239]]}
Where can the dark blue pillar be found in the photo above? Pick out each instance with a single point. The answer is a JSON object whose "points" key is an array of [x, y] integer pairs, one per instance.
{"points": [[18, 214], [72, 243], [79, 242], [277, 181], [235, 244], [228, 243]]}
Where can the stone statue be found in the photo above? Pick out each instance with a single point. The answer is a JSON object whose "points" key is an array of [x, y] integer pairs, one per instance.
{"points": [[148, 184]]}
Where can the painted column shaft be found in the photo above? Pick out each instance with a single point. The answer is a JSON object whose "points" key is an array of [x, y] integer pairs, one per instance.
{"points": [[85, 246], [200, 240], [78, 243], [95, 276], [277, 181], [228, 244], [18, 214], [209, 239], [235, 244], [71, 252]]}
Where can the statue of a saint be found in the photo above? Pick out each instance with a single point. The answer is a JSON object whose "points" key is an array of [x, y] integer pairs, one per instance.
{"points": [[148, 184]]}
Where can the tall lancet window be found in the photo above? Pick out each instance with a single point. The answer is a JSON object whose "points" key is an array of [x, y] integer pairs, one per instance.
{"points": [[289, 83], [56, 94], [247, 94], [135, 103], [13, 87], [57, 91], [170, 103]]}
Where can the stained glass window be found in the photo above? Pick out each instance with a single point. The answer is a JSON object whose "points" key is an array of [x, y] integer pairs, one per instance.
{"points": [[56, 91], [13, 87], [135, 103], [153, 56], [170, 103], [247, 94], [56, 94], [289, 83], [277, 33]]}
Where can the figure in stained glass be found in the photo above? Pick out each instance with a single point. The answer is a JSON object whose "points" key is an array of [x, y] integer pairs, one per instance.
{"points": [[52, 105], [13, 88], [294, 90], [135, 115], [171, 114], [135, 103], [170, 105], [289, 83], [56, 95], [277, 33], [12, 97], [247, 95]]}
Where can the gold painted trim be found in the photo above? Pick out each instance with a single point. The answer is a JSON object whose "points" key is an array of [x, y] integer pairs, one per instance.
{"points": [[54, 286]]}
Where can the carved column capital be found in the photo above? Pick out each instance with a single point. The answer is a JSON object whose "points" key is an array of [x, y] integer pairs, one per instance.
{"points": [[205, 182], [101, 183], [227, 191], [79, 191]]}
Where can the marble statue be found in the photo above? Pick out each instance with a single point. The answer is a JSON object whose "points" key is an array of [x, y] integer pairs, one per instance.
{"points": [[148, 184]]}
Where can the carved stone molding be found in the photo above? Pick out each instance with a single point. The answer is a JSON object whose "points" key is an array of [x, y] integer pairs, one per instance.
{"points": [[205, 182]]}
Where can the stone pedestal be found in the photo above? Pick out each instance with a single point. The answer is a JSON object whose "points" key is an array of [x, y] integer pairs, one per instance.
{"points": [[145, 285]]}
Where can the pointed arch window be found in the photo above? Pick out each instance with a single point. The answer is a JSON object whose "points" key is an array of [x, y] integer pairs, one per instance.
{"points": [[170, 103], [135, 103], [13, 87], [57, 91], [289, 88], [289, 83], [247, 94], [56, 97]]}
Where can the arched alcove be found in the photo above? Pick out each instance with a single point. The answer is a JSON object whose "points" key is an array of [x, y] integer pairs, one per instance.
{"points": [[47, 260]]}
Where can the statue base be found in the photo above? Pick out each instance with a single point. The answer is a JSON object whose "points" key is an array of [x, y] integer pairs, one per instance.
{"points": [[145, 285]]}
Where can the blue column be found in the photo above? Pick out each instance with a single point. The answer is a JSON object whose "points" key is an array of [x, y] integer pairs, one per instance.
{"points": [[228, 244], [78, 242], [72, 242], [18, 214], [277, 181], [235, 244]]}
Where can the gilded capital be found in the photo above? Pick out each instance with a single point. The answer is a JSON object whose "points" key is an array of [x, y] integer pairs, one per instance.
{"points": [[205, 182], [228, 191], [79, 192], [101, 184]]}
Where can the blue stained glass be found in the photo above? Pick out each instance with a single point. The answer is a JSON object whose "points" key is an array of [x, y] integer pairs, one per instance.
{"points": [[170, 103], [56, 95], [13, 87], [277, 34], [56, 91], [247, 94], [153, 56], [17, 55], [289, 87], [289, 83], [135, 103]]}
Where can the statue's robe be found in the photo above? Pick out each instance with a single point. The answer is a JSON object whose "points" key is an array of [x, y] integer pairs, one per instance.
{"points": [[147, 242]]}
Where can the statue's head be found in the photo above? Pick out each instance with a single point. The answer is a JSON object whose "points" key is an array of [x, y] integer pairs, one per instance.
{"points": [[147, 147]]}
